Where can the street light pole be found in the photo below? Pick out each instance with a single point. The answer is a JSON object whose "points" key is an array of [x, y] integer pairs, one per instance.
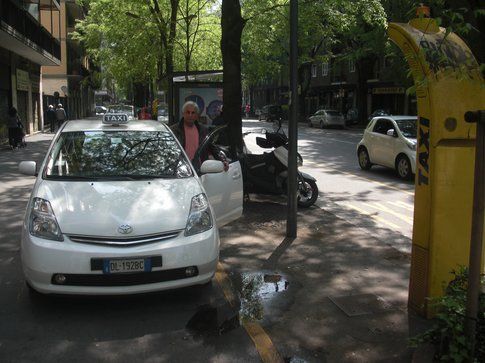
{"points": [[291, 224]]}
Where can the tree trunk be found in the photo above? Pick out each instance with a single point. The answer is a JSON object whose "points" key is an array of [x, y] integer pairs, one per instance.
{"points": [[232, 26], [304, 81], [364, 67], [169, 57]]}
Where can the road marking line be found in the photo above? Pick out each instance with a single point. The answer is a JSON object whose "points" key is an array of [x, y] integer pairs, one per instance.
{"points": [[261, 340], [359, 176], [407, 206], [373, 216], [383, 208], [224, 283]]}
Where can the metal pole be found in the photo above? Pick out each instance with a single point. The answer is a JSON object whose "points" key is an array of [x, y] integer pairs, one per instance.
{"points": [[293, 122], [476, 246]]}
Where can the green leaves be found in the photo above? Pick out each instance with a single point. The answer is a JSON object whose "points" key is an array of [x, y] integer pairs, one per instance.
{"points": [[448, 333], [129, 42]]}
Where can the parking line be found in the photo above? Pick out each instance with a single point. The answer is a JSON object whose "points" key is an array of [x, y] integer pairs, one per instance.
{"points": [[377, 218], [383, 208], [403, 205], [261, 340]]}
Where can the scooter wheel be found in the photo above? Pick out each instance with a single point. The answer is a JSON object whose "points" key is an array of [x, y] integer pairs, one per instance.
{"points": [[307, 194]]}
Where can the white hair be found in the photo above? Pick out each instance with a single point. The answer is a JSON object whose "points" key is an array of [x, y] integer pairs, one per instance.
{"points": [[192, 104]]}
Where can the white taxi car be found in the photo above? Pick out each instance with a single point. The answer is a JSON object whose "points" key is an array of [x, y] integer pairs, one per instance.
{"points": [[118, 208], [390, 141]]}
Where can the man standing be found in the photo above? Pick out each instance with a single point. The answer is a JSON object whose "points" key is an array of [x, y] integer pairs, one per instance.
{"points": [[191, 133], [51, 118], [60, 115]]}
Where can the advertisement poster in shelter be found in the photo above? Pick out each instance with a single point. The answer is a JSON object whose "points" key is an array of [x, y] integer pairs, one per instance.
{"points": [[207, 95]]}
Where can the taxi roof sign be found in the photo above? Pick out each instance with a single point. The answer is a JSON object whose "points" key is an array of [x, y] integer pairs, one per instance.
{"points": [[115, 118]]}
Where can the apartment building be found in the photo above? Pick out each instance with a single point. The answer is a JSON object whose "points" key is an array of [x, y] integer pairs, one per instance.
{"points": [[25, 46], [68, 83], [335, 84]]}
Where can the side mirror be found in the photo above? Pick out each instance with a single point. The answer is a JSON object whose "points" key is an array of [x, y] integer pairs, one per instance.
{"points": [[28, 168], [212, 167], [391, 132]]}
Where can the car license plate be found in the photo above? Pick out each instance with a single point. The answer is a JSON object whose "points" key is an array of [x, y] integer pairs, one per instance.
{"points": [[115, 266]]}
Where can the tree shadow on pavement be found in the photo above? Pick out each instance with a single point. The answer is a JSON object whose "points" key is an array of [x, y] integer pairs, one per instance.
{"points": [[330, 258]]}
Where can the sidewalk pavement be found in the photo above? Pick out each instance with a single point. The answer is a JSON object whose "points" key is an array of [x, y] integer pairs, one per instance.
{"points": [[336, 293], [345, 292]]}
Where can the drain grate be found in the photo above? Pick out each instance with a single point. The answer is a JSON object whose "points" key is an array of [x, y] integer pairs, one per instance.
{"points": [[364, 304]]}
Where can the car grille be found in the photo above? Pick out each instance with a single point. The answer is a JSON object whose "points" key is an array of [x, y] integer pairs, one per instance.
{"points": [[125, 241], [125, 279]]}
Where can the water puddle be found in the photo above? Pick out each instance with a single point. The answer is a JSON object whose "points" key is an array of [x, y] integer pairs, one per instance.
{"points": [[255, 292], [257, 289]]}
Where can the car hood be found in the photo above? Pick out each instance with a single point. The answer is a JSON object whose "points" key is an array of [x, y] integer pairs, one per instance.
{"points": [[410, 140], [99, 208]]}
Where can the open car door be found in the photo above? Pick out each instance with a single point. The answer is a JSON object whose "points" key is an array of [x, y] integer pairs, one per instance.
{"points": [[224, 190]]}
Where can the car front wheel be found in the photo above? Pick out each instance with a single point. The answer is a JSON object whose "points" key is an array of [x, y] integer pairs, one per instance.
{"points": [[364, 161], [403, 167]]}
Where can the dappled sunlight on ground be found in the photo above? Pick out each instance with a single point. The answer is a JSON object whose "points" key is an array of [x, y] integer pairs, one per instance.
{"points": [[330, 257]]}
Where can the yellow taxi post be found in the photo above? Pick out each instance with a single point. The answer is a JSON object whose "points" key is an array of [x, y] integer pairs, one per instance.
{"points": [[448, 84]]}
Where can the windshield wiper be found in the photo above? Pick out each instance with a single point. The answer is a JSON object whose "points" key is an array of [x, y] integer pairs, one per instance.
{"points": [[71, 177]]}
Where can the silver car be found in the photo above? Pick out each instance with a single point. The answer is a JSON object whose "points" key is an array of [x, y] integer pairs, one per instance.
{"points": [[326, 118]]}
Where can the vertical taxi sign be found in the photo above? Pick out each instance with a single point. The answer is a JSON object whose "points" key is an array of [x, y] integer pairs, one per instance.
{"points": [[448, 83]]}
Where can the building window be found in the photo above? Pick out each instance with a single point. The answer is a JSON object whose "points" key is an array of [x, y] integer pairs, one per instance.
{"points": [[351, 65], [325, 69], [314, 70]]}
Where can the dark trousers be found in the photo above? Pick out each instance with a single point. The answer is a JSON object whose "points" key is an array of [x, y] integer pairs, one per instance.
{"points": [[59, 123], [15, 136]]}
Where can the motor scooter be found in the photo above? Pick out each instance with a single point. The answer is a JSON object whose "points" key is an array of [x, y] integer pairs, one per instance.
{"points": [[267, 173]]}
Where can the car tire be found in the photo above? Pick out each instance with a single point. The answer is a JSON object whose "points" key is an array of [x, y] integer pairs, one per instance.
{"points": [[306, 201], [310, 123], [403, 167], [364, 160], [321, 125]]}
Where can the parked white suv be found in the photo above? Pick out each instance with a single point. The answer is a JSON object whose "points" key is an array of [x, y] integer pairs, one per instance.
{"points": [[118, 208], [390, 141]]}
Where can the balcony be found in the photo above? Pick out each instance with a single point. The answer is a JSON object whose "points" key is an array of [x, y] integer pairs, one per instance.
{"points": [[22, 34]]}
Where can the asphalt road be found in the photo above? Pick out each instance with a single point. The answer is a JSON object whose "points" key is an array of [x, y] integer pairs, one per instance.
{"points": [[375, 199]]}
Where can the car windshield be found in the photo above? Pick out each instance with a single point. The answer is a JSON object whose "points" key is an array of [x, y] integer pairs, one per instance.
{"points": [[407, 127], [116, 155], [333, 113]]}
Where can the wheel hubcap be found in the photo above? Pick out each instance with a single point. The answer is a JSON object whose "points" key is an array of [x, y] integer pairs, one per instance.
{"points": [[363, 158], [403, 167], [305, 192]]}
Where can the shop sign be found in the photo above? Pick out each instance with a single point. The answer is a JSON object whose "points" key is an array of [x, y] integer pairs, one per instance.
{"points": [[22, 80], [387, 90]]}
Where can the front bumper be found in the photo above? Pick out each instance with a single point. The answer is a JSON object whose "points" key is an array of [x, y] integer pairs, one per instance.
{"points": [[42, 259]]}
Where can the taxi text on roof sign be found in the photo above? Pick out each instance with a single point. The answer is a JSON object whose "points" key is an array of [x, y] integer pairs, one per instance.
{"points": [[118, 118]]}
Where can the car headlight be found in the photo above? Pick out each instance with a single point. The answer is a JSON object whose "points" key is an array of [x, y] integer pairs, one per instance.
{"points": [[200, 219], [43, 222], [411, 145]]}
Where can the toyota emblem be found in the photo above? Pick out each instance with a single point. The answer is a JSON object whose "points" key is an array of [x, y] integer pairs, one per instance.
{"points": [[125, 229]]}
